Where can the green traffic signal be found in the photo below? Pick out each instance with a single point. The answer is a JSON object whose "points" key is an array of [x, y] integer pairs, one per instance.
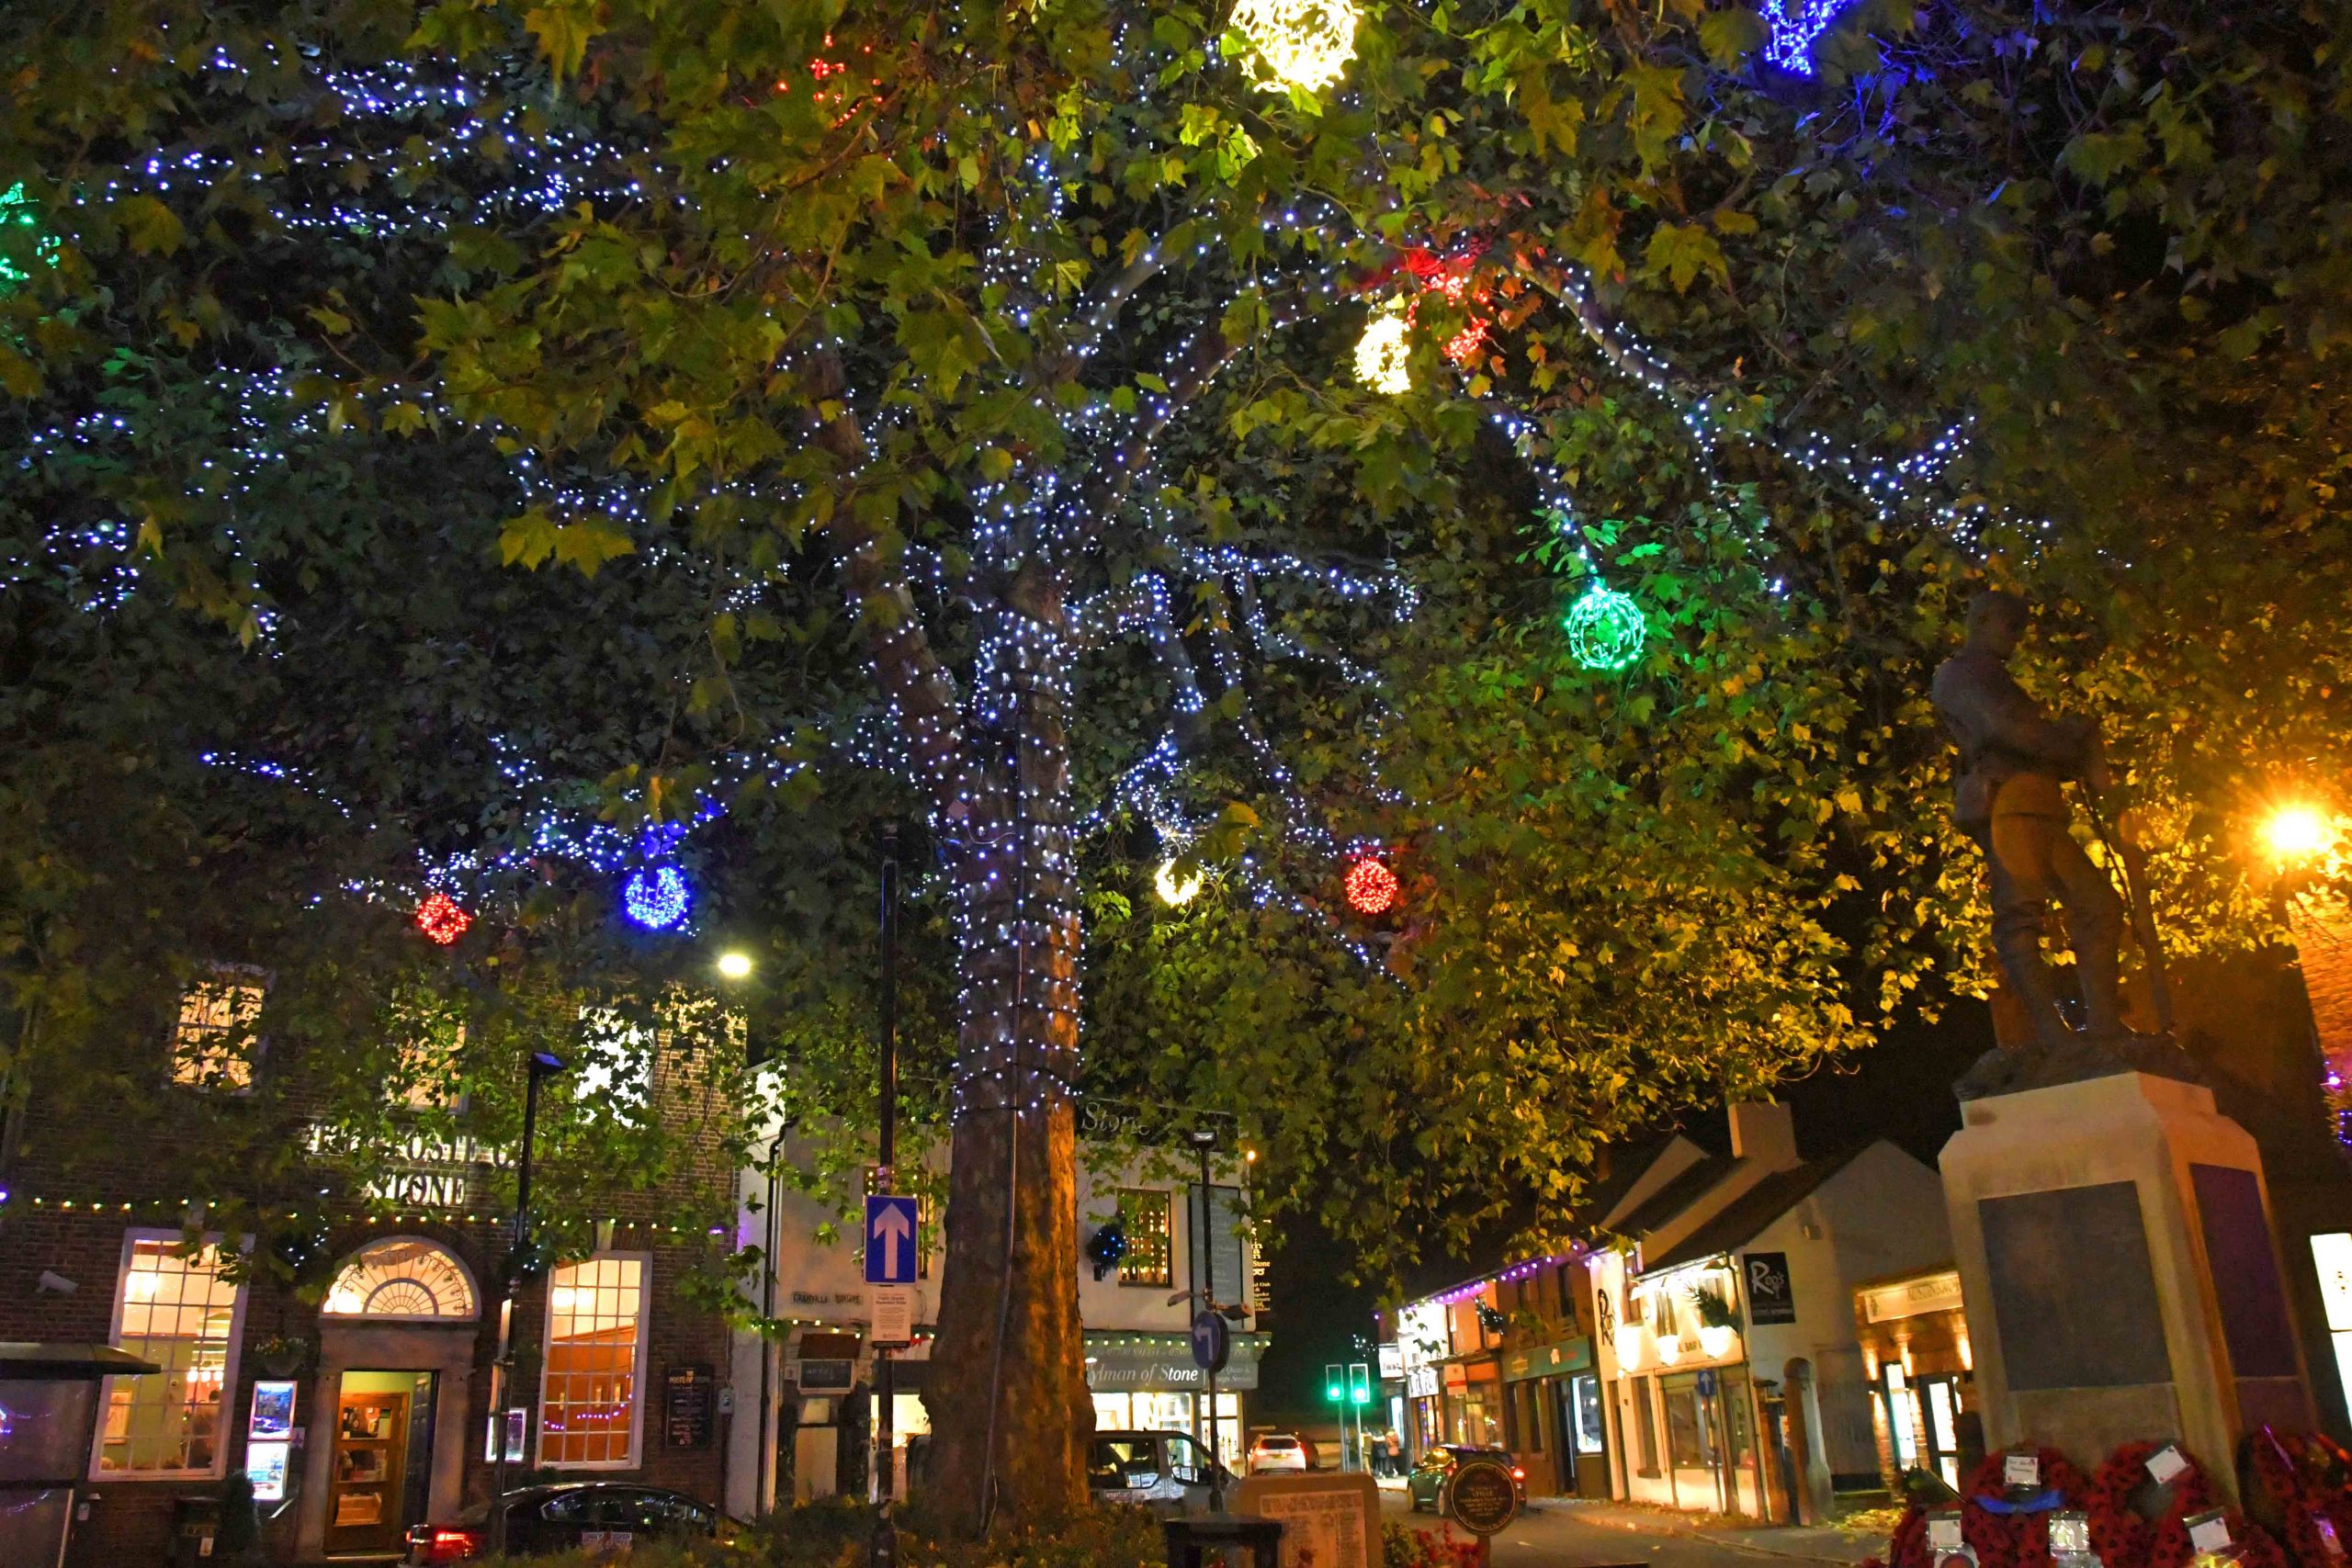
{"points": [[1333, 1383]]}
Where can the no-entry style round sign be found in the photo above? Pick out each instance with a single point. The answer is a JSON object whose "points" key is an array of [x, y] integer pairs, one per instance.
{"points": [[1482, 1497]]}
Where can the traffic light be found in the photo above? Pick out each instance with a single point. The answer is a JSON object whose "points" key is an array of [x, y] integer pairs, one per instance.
{"points": [[1334, 1385], [1359, 1383]]}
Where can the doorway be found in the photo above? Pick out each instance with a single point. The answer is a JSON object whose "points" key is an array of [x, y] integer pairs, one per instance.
{"points": [[1939, 1406], [382, 1464]]}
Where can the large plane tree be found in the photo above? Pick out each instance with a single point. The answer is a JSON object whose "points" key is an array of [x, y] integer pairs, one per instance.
{"points": [[1097, 376]]}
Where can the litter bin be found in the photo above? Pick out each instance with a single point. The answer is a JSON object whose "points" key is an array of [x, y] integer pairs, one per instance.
{"points": [[195, 1521], [1192, 1539]]}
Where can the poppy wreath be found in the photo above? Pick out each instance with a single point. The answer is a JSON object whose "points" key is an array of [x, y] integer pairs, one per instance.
{"points": [[2292, 1475], [1907, 1547], [2015, 1540], [2118, 1535]]}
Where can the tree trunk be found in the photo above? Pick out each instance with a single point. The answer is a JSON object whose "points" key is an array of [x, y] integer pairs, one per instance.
{"points": [[1006, 1383], [1008, 1321]]}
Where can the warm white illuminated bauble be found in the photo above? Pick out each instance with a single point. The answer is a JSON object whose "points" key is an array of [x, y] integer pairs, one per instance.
{"points": [[1297, 43], [1173, 893], [1381, 353]]}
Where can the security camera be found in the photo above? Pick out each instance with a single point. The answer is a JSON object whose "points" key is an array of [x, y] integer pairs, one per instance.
{"points": [[56, 1284]]}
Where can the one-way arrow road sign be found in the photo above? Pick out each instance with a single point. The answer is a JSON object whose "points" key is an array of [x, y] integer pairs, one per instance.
{"points": [[890, 1239]]}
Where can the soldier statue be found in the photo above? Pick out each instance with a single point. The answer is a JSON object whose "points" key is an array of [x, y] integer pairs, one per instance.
{"points": [[2015, 760]]}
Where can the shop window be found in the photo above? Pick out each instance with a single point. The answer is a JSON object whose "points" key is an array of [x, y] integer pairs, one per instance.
{"points": [[213, 1043], [1144, 1214], [1586, 1397], [404, 1280], [589, 1406], [1645, 1425], [1686, 1440], [179, 1313]]}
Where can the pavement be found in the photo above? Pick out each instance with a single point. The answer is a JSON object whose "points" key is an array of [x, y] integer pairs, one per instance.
{"points": [[1570, 1532]]}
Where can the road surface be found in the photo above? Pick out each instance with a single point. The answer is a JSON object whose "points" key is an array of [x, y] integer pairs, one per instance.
{"points": [[1551, 1535]]}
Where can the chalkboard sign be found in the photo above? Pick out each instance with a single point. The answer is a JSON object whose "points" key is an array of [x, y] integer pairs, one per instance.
{"points": [[688, 1397]]}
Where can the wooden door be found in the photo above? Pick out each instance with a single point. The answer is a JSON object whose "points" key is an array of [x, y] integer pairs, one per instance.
{"points": [[370, 1457]]}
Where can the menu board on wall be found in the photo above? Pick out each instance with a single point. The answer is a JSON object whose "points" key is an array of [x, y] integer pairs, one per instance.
{"points": [[688, 1398]]}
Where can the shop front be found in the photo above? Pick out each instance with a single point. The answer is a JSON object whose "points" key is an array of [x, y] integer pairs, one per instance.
{"points": [[1554, 1392], [1147, 1382], [1687, 1400], [1914, 1334]]}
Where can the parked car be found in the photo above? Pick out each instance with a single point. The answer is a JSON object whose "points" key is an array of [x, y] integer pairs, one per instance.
{"points": [[1426, 1483], [1161, 1470], [1280, 1450], [590, 1514]]}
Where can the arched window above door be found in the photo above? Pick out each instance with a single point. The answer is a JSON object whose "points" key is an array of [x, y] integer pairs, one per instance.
{"points": [[403, 1279]]}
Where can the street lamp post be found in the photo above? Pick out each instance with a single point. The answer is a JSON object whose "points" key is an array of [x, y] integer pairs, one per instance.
{"points": [[1203, 1140], [543, 1065], [886, 1534]]}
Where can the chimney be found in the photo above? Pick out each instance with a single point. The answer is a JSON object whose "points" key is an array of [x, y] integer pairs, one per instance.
{"points": [[1763, 1131]]}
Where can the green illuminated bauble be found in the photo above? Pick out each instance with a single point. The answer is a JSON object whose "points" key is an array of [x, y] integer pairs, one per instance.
{"points": [[17, 211], [1605, 629]]}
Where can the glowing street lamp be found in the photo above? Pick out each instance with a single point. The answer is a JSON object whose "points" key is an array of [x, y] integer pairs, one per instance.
{"points": [[2298, 832], [734, 964]]}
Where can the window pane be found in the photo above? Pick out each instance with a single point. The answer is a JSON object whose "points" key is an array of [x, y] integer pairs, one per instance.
{"points": [[212, 1045], [588, 1391], [1145, 1216], [175, 1313]]}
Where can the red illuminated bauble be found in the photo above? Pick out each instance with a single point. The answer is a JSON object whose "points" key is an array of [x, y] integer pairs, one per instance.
{"points": [[1372, 887], [442, 918]]}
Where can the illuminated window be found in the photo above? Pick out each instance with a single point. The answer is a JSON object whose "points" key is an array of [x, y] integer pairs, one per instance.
{"points": [[213, 1045], [588, 1394], [430, 1053], [1144, 1215], [402, 1278], [180, 1314]]}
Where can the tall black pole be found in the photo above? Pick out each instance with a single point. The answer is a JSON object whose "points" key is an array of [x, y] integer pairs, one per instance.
{"points": [[886, 1538], [1208, 1304], [502, 1369]]}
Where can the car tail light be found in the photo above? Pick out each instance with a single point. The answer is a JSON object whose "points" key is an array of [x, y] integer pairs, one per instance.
{"points": [[1517, 1474], [445, 1544]]}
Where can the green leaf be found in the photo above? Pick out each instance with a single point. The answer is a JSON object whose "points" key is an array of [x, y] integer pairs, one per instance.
{"points": [[1683, 251], [563, 30], [1731, 36], [152, 228]]}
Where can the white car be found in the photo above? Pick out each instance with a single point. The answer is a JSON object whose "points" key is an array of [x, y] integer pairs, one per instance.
{"points": [[1278, 1450]]}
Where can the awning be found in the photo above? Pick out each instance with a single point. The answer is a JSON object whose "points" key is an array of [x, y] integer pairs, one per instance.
{"points": [[53, 1361]]}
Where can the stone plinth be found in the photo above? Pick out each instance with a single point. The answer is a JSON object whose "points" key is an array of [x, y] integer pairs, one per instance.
{"points": [[2114, 1243]]}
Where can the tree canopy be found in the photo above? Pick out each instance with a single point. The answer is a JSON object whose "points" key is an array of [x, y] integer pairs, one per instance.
{"points": [[951, 417]]}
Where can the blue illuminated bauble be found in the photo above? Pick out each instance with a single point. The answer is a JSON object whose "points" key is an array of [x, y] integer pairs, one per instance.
{"points": [[655, 896], [1605, 628]]}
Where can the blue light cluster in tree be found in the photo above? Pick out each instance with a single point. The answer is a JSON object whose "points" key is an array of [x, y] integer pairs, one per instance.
{"points": [[1795, 24], [656, 897]]}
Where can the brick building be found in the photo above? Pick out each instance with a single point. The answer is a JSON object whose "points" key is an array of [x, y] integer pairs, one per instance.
{"points": [[361, 1404]]}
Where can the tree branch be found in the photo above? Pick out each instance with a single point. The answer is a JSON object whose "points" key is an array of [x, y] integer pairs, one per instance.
{"points": [[905, 666]]}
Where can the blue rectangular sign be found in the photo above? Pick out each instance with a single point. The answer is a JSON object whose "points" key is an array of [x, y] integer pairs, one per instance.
{"points": [[890, 1240]]}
